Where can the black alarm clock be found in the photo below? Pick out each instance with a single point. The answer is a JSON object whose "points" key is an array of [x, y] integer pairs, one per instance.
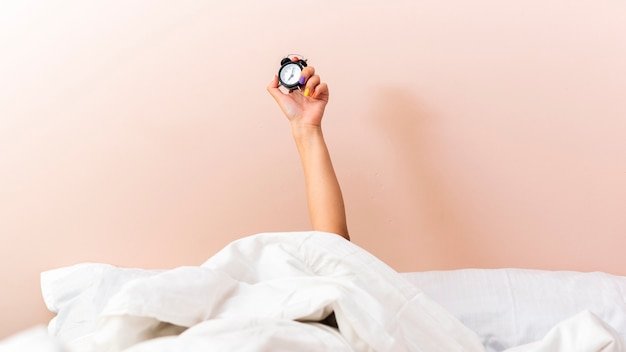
{"points": [[291, 67]]}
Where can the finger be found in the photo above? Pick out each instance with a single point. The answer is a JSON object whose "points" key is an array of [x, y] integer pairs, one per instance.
{"points": [[321, 92], [311, 84], [273, 83], [273, 89], [307, 72]]}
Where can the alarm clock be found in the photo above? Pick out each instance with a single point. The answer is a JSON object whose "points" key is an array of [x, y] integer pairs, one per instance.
{"points": [[291, 67]]}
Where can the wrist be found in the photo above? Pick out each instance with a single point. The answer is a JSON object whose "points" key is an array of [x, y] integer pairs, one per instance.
{"points": [[303, 130]]}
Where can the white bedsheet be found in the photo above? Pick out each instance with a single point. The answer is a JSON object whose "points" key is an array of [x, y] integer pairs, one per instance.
{"points": [[584, 332], [270, 292]]}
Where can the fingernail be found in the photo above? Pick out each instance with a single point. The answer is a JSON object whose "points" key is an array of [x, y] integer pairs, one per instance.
{"points": [[313, 95], [306, 92], [302, 79]]}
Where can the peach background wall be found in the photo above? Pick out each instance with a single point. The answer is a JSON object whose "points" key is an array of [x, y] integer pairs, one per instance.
{"points": [[465, 133]]}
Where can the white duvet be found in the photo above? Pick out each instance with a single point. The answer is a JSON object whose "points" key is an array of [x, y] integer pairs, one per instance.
{"points": [[305, 291]]}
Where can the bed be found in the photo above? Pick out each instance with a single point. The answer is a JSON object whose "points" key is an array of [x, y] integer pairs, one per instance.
{"points": [[312, 291]]}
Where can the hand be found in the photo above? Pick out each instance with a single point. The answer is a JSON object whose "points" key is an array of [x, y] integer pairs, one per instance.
{"points": [[302, 108]]}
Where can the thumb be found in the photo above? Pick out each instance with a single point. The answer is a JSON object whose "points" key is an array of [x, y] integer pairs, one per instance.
{"points": [[273, 89]]}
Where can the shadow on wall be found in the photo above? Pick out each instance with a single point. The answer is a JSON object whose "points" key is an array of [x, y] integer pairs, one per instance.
{"points": [[414, 132]]}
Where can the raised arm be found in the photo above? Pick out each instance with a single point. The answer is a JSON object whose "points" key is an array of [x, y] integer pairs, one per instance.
{"points": [[305, 110]]}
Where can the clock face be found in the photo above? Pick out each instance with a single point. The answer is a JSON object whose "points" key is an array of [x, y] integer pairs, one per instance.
{"points": [[290, 75]]}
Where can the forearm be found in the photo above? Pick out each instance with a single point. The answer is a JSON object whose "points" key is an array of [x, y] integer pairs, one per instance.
{"points": [[324, 198]]}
